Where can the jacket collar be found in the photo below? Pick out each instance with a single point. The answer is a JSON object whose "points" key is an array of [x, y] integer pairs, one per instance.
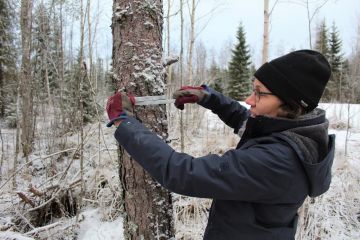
{"points": [[261, 126]]}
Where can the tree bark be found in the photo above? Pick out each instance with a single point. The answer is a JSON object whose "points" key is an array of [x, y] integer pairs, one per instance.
{"points": [[137, 67], [26, 79], [265, 50], [191, 42], [182, 134], [2, 93]]}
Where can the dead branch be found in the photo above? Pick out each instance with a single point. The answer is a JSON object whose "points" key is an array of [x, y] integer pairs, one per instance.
{"points": [[34, 191], [55, 195], [42, 229], [26, 199], [74, 184], [30, 161], [45, 203]]}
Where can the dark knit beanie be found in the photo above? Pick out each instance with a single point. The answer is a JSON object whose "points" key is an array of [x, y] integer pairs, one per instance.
{"points": [[299, 77]]}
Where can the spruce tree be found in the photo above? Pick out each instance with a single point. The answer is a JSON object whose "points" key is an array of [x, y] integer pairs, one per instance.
{"points": [[322, 46], [322, 39], [46, 57], [78, 87], [41, 40], [87, 96], [8, 72], [240, 82], [216, 82], [336, 61]]}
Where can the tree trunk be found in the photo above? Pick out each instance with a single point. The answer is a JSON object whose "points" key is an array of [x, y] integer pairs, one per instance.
{"points": [[182, 134], [192, 42], [82, 74], [137, 67], [26, 79], [2, 92], [265, 50]]}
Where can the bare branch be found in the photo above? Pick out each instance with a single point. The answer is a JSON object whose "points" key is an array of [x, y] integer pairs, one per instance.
{"points": [[42, 229], [272, 8], [318, 9]]}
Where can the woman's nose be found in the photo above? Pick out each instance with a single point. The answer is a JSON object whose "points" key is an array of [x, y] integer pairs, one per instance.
{"points": [[251, 100]]}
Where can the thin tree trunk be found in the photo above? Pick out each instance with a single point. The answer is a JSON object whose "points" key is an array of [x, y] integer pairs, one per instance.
{"points": [[17, 139], [26, 79], [2, 155], [93, 83], [61, 65], [192, 42], [265, 50], [312, 15], [182, 135], [347, 129], [2, 91], [169, 79], [309, 23], [169, 70], [81, 73], [137, 66], [189, 114]]}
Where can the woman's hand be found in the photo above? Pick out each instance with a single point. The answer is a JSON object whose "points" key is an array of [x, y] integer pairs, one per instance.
{"points": [[119, 106], [189, 94]]}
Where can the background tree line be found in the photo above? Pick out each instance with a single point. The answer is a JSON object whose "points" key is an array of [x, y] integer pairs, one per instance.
{"points": [[51, 74], [56, 67], [59, 74]]}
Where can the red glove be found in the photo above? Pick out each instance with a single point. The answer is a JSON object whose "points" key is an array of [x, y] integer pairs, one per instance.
{"points": [[119, 106], [189, 94]]}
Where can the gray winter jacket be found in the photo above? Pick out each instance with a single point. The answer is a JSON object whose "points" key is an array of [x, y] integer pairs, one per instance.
{"points": [[256, 188]]}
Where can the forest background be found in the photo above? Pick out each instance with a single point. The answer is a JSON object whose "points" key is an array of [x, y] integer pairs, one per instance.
{"points": [[60, 166]]}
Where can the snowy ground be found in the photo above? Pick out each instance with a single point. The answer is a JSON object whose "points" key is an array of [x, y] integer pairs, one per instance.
{"points": [[335, 215]]}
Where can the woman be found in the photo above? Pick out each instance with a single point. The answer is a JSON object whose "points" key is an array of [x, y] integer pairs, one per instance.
{"points": [[285, 153]]}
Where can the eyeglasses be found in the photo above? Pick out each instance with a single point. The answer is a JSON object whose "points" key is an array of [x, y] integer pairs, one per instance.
{"points": [[258, 94]]}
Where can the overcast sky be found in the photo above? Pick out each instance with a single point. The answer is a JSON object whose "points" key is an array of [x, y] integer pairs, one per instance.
{"points": [[288, 23]]}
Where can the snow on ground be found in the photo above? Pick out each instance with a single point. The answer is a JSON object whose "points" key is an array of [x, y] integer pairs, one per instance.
{"points": [[93, 228], [8, 235], [333, 216]]}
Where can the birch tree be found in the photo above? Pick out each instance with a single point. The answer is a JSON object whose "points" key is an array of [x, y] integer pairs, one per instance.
{"points": [[192, 10], [265, 49], [137, 68], [266, 33]]}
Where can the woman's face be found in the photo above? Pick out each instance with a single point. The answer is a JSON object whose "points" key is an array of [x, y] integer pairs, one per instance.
{"points": [[262, 101]]}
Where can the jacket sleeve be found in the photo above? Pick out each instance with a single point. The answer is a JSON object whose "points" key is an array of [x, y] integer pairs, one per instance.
{"points": [[231, 112], [259, 174]]}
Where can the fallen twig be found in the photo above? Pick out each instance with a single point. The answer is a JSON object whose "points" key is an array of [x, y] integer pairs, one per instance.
{"points": [[42, 229]]}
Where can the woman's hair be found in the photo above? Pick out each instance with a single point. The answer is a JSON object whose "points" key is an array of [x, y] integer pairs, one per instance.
{"points": [[291, 110]]}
